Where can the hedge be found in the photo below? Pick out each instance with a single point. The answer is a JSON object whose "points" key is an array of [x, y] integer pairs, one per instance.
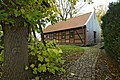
{"points": [[111, 30]]}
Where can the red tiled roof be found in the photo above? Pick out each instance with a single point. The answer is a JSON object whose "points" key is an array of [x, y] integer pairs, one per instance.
{"points": [[75, 22]]}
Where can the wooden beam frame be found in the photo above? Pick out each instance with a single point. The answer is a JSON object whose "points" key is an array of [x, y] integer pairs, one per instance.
{"points": [[79, 36]]}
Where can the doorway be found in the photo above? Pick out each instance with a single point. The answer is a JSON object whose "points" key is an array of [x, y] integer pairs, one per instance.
{"points": [[94, 36]]}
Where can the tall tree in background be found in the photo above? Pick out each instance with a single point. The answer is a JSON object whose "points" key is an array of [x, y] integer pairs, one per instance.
{"points": [[17, 17], [89, 1], [101, 11], [66, 8]]}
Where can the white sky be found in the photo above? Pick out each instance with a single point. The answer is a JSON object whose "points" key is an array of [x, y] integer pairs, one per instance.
{"points": [[89, 8]]}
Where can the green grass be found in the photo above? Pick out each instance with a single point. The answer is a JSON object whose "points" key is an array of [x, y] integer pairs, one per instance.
{"points": [[71, 49], [71, 52]]}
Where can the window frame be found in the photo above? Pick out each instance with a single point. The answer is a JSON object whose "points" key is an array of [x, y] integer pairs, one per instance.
{"points": [[48, 36], [63, 36], [54, 35], [71, 33]]}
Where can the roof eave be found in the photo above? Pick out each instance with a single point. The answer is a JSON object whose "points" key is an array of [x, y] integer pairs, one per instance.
{"points": [[65, 29]]}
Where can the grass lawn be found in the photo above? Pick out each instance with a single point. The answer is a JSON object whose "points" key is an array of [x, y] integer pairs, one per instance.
{"points": [[70, 49], [71, 52]]}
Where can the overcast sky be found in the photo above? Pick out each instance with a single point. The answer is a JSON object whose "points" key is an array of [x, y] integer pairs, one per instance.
{"points": [[89, 8]]}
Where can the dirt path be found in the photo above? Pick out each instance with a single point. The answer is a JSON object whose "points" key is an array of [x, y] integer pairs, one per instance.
{"points": [[106, 68]]}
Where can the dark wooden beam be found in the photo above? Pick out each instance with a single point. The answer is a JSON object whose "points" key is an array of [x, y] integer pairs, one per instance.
{"points": [[79, 36]]}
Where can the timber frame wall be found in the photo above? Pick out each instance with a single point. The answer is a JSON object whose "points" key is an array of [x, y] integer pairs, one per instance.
{"points": [[75, 36]]}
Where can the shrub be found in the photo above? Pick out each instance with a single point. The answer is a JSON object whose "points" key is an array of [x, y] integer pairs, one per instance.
{"points": [[44, 59], [111, 30]]}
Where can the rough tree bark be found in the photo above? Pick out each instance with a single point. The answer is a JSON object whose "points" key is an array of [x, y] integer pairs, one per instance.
{"points": [[15, 52]]}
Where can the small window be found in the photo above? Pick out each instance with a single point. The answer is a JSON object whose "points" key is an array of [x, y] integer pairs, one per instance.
{"points": [[48, 36], [54, 35], [63, 35], [72, 34]]}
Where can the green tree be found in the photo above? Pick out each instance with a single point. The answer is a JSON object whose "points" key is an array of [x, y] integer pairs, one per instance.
{"points": [[17, 17]]}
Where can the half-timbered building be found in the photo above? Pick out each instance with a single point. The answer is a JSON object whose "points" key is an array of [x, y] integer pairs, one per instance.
{"points": [[81, 30]]}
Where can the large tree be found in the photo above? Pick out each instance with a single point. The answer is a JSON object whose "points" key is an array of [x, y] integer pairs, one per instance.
{"points": [[17, 17]]}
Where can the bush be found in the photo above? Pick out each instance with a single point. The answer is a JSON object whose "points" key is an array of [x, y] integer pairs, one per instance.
{"points": [[44, 59], [111, 30]]}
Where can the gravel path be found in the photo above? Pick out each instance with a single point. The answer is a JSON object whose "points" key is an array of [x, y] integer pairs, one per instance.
{"points": [[84, 67]]}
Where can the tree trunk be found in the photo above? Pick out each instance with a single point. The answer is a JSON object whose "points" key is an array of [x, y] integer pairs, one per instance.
{"points": [[41, 33], [15, 52], [33, 32]]}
